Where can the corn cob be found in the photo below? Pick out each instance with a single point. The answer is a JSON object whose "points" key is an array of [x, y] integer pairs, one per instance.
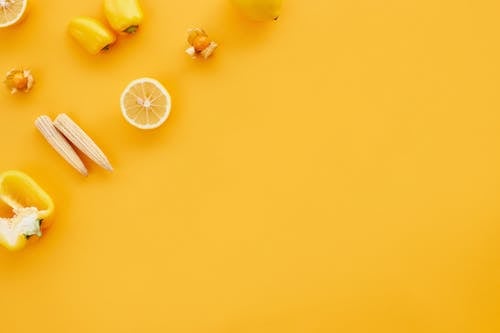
{"points": [[59, 143], [81, 140]]}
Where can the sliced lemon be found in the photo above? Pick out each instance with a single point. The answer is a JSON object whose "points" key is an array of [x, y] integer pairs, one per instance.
{"points": [[145, 103], [12, 11]]}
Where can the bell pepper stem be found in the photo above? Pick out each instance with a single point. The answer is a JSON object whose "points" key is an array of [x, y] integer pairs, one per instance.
{"points": [[132, 29]]}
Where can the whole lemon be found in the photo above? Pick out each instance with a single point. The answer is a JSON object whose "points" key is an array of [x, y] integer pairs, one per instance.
{"points": [[260, 10]]}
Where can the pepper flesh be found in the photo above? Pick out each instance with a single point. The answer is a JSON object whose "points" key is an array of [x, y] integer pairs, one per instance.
{"points": [[91, 34], [123, 16], [31, 207]]}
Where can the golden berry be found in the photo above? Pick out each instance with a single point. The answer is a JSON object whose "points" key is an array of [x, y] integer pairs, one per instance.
{"points": [[19, 80]]}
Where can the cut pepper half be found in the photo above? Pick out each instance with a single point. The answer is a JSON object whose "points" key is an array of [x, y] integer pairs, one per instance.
{"points": [[28, 205]]}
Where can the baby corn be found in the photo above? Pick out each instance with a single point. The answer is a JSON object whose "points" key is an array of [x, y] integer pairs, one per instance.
{"points": [[59, 143], [81, 140]]}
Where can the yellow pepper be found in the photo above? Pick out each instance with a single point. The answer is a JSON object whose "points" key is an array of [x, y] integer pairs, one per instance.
{"points": [[123, 15], [91, 34], [31, 207]]}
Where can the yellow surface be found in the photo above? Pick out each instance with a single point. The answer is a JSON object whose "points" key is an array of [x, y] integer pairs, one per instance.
{"points": [[335, 171]]}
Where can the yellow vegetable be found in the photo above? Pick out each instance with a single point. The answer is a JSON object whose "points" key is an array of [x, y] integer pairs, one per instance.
{"points": [[123, 15], [28, 204], [91, 34]]}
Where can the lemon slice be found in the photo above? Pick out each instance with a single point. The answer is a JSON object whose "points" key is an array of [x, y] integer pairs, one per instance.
{"points": [[145, 103], [11, 11]]}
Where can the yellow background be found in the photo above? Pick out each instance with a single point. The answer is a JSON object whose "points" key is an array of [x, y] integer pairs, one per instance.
{"points": [[335, 171]]}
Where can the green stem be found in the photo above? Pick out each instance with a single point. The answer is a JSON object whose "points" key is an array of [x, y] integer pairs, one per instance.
{"points": [[132, 29]]}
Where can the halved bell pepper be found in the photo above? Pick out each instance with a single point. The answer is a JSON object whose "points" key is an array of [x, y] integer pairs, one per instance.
{"points": [[30, 206], [123, 16], [90, 33]]}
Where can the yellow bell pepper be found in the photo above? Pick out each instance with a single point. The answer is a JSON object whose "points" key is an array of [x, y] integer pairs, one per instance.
{"points": [[91, 34], [123, 15], [31, 207]]}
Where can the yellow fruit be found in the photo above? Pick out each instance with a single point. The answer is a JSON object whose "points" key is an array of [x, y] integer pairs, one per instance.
{"points": [[19, 190], [200, 44], [91, 34], [12, 11], [260, 10], [123, 16], [19, 80], [30, 205], [145, 103]]}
